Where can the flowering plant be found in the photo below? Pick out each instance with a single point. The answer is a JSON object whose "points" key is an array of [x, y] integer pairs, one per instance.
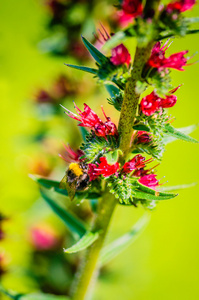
{"points": [[111, 165]]}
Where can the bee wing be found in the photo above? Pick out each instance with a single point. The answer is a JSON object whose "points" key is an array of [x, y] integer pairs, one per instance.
{"points": [[70, 187], [63, 183]]}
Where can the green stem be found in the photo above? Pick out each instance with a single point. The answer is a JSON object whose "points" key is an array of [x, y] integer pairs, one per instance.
{"points": [[86, 274], [131, 98]]}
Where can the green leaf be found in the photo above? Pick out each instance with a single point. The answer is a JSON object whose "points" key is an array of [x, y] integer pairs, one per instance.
{"points": [[112, 156], [88, 239], [32, 296], [96, 54], [177, 187], [84, 133], [116, 247], [39, 296], [112, 90], [141, 127], [170, 130], [85, 69], [192, 20], [186, 130], [75, 226], [47, 183], [156, 196]]}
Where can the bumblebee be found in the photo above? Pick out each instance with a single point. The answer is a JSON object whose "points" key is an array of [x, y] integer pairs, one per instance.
{"points": [[76, 179]]}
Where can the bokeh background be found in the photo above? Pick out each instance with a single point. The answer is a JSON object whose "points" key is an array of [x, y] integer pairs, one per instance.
{"points": [[163, 263]]}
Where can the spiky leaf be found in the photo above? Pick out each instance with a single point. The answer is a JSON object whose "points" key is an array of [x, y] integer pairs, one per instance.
{"points": [[85, 69], [96, 54], [170, 130], [88, 239]]}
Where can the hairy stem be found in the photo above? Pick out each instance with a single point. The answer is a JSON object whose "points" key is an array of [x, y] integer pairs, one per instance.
{"points": [[86, 274], [131, 95], [131, 98]]}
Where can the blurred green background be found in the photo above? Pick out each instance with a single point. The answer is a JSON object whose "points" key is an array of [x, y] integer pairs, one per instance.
{"points": [[163, 263]]}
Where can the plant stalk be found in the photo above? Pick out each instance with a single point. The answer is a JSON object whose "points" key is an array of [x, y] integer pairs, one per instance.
{"points": [[89, 266], [86, 274]]}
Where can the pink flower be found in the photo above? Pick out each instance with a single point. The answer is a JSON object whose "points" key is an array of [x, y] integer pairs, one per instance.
{"points": [[136, 162], [124, 19], [43, 238], [120, 55], [152, 103], [143, 137], [180, 6], [88, 118], [159, 61], [149, 180], [102, 168], [71, 156], [132, 7]]}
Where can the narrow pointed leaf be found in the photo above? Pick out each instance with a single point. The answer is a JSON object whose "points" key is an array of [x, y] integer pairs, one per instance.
{"points": [[96, 54], [186, 130], [55, 185], [150, 191], [85, 69], [73, 224], [119, 245], [88, 239], [156, 196], [177, 187], [170, 130]]}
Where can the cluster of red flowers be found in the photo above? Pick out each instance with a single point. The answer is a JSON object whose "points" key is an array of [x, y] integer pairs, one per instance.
{"points": [[159, 61], [88, 118], [180, 6], [136, 166], [153, 103]]}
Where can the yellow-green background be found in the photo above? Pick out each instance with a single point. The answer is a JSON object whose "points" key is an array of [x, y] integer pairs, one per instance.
{"points": [[164, 262]]}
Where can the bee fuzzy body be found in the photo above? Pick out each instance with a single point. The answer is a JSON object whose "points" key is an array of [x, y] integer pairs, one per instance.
{"points": [[78, 172]]}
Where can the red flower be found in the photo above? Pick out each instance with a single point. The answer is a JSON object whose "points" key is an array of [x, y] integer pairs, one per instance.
{"points": [[149, 180], [132, 7], [180, 6], [103, 168], [149, 104], [70, 155], [152, 103], [135, 163], [120, 55], [88, 118], [143, 137], [159, 61]]}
